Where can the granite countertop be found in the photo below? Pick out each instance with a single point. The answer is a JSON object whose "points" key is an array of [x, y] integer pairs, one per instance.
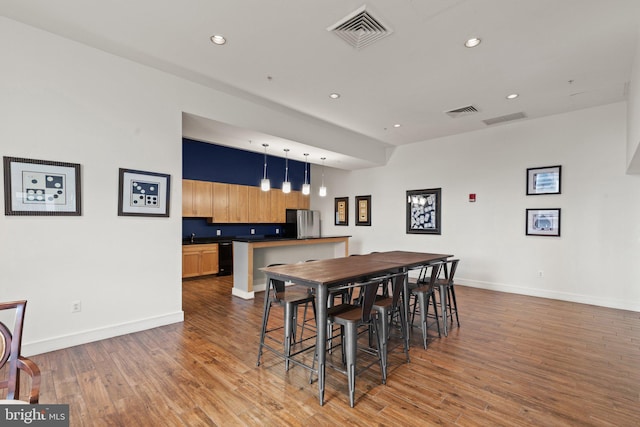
{"points": [[249, 239], [246, 239], [206, 240]]}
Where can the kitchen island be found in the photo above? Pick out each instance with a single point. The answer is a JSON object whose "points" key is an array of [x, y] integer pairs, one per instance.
{"points": [[251, 254]]}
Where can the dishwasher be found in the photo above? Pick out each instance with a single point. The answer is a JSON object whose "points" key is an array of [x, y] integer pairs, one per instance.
{"points": [[225, 258]]}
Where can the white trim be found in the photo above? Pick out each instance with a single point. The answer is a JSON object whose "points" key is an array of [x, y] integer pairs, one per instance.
{"points": [[242, 294], [602, 300], [84, 337]]}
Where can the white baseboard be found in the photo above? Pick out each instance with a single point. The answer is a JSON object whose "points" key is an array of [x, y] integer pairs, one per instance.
{"points": [[242, 294], [600, 300], [84, 337]]}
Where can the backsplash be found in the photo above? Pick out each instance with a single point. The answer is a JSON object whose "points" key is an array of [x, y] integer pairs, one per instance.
{"points": [[202, 228]]}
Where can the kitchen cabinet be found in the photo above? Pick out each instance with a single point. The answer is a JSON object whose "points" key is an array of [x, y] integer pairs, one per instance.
{"points": [[224, 203], [297, 200], [259, 205], [278, 209], [197, 198], [199, 260], [238, 203], [220, 202]]}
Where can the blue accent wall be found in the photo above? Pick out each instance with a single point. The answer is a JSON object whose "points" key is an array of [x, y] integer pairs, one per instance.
{"points": [[209, 162]]}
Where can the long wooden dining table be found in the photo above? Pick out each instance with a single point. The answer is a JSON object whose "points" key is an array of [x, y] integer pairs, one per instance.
{"points": [[322, 275]]}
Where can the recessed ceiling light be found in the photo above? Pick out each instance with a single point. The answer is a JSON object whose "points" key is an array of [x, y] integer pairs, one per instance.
{"points": [[513, 96], [218, 39], [473, 42], [334, 95], [397, 125]]}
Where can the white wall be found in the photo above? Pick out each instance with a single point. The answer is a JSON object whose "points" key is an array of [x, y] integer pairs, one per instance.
{"points": [[63, 101], [595, 259], [633, 115]]}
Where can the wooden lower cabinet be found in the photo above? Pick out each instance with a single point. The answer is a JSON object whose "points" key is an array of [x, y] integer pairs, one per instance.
{"points": [[199, 260]]}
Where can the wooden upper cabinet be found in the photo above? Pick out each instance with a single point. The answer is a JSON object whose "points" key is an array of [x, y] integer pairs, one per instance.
{"points": [[196, 198], [238, 203], [278, 207], [202, 195], [305, 201], [187, 197], [220, 202], [259, 205], [297, 200]]}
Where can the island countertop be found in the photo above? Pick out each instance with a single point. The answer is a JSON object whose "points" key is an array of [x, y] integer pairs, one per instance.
{"points": [[252, 253]]}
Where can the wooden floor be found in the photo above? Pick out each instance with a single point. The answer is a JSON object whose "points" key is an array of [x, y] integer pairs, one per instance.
{"points": [[515, 361]]}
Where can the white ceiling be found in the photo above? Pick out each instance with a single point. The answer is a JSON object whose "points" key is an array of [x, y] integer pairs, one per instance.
{"points": [[559, 55]]}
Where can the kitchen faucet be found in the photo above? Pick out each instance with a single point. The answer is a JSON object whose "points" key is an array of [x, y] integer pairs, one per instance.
{"points": [[193, 236]]}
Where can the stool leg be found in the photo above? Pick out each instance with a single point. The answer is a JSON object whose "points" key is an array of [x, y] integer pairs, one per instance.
{"points": [[351, 336], [382, 337], [435, 311], [288, 328], [265, 319], [454, 303], [404, 331], [383, 365], [423, 302]]}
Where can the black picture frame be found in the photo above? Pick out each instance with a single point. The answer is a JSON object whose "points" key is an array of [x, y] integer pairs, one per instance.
{"points": [[143, 193], [363, 210], [41, 187], [424, 211], [543, 222], [341, 211], [544, 180]]}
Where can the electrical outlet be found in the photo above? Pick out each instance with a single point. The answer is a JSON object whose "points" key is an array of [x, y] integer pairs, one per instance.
{"points": [[540, 273], [277, 231], [218, 232], [253, 231], [76, 307]]}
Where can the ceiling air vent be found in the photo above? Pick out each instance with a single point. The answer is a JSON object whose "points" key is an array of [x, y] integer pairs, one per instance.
{"points": [[502, 119], [360, 28], [463, 111]]}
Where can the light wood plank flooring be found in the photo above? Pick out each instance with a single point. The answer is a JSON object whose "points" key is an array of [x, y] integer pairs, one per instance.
{"points": [[515, 361]]}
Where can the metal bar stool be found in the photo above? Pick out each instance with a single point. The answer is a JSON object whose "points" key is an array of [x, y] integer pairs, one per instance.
{"points": [[277, 294], [448, 303], [388, 308], [423, 293], [354, 319]]}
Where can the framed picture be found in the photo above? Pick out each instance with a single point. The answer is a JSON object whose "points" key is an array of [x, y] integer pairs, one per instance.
{"points": [[544, 180], [543, 222], [342, 210], [41, 187], [363, 210], [423, 211], [143, 193]]}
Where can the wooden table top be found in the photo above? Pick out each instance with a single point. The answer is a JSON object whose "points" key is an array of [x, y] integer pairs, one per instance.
{"points": [[340, 270]]}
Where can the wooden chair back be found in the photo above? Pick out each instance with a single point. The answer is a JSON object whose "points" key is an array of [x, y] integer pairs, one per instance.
{"points": [[10, 348]]}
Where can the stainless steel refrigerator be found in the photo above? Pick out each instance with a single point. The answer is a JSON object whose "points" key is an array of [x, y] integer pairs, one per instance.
{"points": [[302, 223]]}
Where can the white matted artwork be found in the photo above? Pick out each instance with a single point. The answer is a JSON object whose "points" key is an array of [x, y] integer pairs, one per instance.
{"points": [[543, 222], [143, 193], [41, 187], [544, 180]]}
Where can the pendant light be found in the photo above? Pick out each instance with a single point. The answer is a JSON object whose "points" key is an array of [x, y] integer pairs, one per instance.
{"points": [[323, 189], [306, 187], [265, 184], [286, 185]]}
